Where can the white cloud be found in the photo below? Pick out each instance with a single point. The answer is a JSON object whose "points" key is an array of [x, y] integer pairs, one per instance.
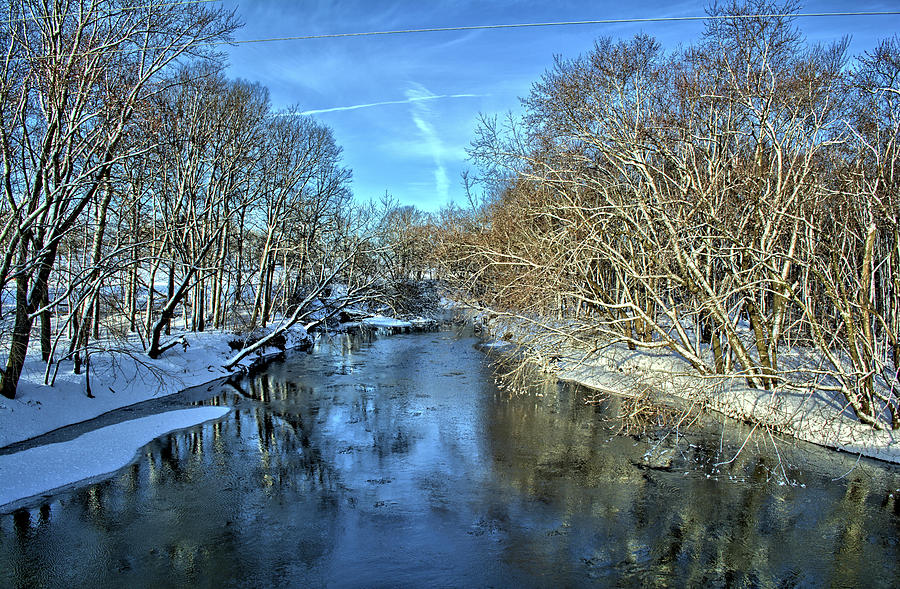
{"points": [[422, 116]]}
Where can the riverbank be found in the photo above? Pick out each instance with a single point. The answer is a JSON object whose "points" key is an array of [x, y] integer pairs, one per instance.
{"points": [[801, 413], [120, 378], [399, 463], [93, 455], [125, 376]]}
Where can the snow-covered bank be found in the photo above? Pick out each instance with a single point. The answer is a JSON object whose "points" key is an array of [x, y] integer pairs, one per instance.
{"points": [[805, 415], [117, 379], [95, 454], [120, 379], [382, 325], [386, 322], [802, 413]]}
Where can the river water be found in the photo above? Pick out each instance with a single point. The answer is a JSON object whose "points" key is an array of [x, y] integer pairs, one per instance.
{"points": [[400, 463]]}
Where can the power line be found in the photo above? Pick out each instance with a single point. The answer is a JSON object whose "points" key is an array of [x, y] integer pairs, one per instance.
{"points": [[607, 21], [122, 9], [661, 19]]}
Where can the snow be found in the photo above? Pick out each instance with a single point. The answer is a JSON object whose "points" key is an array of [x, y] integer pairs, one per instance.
{"points": [[387, 322], [445, 303], [803, 413], [118, 379], [97, 453], [497, 345]]}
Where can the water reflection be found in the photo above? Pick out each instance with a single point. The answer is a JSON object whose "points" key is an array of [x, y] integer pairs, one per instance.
{"points": [[400, 463]]}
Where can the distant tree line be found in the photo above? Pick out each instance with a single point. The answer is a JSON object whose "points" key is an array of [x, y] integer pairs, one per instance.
{"points": [[727, 201]]}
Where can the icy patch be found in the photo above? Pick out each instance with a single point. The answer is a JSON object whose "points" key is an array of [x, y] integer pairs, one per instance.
{"points": [[128, 376], [382, 321], [496, 345], [100, 452]]}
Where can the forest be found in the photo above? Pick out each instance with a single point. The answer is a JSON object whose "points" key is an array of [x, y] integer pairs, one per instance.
{"points": [[142, 186], [730, 201], [663, 315]]}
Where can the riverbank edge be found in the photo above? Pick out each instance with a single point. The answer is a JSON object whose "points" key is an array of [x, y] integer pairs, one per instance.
{"points": [[41, 409], [297, 340], [50, 466], [664, 377]]}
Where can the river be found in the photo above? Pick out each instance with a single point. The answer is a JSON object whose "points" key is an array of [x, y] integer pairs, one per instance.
{"points": [[400, 463]]}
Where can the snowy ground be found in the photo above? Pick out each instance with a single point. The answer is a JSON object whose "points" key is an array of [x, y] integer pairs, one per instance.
{"points": [[386, 322], [97, 453], [800, 412], [117, 380]]}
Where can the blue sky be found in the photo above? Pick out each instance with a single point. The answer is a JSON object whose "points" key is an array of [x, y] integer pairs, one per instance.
{"points": [[404, 107]]}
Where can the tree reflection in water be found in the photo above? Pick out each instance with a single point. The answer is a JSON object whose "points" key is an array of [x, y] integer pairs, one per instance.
{"points": [[401, 463]]}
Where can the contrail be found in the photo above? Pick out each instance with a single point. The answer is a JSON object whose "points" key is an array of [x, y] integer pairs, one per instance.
{"points": [[385, 102]]}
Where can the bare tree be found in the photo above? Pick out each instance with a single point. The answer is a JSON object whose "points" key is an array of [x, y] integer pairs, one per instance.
{"points": [[79, 76], [726, 202], [210, 131]]}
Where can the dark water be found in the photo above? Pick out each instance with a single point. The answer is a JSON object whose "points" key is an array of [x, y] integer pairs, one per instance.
{"points": [[400, 464]]}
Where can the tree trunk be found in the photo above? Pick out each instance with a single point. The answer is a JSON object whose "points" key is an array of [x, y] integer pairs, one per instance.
{"points": [[46, 343], [19, 344], [26, 304], [132, 296], [96, 317], [148, 315], [267, 298], [171, 293], [200, 307]]}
